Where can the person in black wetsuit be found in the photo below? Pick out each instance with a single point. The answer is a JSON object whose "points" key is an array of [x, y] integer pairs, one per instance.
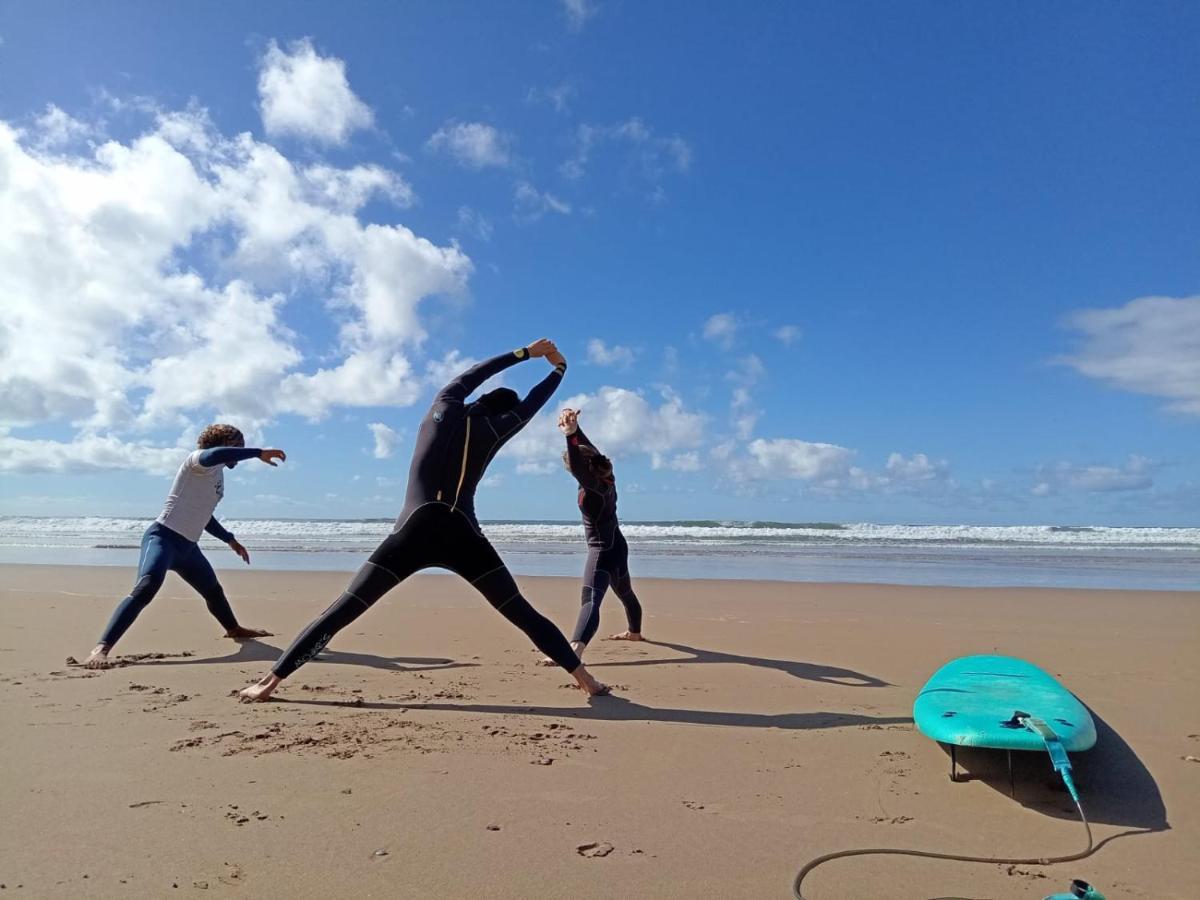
{"points": [[608, 553], [437, 526]]}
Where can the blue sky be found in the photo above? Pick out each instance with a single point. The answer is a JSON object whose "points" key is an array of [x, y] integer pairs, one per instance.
{"points": [[850, 262]]}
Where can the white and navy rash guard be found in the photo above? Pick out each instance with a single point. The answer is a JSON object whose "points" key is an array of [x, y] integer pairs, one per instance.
{"points": [[198, 487]]}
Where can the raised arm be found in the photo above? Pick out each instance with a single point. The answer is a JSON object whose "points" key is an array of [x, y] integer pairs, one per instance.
{"points": [[541, 392], [568, 422], [462, 386]]}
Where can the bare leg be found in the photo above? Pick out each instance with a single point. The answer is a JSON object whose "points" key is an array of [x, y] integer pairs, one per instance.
{"points": [[257, 693], [98, 658]]}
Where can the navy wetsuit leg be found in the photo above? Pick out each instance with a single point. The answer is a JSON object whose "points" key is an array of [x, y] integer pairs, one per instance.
{"points": [[158, 551], [193, 567], [596, 579]]}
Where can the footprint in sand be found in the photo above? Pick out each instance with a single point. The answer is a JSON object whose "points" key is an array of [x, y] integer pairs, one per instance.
{"points": [[595, 849]]}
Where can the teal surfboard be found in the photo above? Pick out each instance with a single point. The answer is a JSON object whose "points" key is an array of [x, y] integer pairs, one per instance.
{"points": [[979, 701]]}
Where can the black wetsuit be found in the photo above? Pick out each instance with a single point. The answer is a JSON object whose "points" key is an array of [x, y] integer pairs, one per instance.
{"points": [[608, 554], [437, 527]]}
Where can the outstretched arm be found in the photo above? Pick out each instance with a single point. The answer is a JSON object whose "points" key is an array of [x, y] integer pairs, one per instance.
{"points": [[541, 392], [568, 422], [462, 386], [219, 456]]}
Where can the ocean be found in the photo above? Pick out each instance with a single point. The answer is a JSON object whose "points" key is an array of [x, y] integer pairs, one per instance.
{"points": [[957, 555]]}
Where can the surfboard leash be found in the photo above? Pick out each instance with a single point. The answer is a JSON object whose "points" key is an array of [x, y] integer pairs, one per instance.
{"points": [[1062, 764]]}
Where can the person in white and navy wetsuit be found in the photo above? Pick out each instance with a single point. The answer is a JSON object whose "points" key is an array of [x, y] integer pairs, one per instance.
{"points": [[608, 554], [170, 544], [437, 527]]}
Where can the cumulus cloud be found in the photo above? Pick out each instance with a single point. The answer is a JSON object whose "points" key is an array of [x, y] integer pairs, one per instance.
{"points": [[386, 440], [721, 329], [1137, 474], [578, 12], [304, 94], [651, 154], [55, 128], [89, 452], [621, 422], [917, 467], [789, 458], [601, 354], [152, 282], [1148, 346], [471, 144], [787, 334], [530, 204]]}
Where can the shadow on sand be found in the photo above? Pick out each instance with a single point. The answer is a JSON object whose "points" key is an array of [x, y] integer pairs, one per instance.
{"points": [[1114, 784], [251, 651], [804, 670], [619, 709]]}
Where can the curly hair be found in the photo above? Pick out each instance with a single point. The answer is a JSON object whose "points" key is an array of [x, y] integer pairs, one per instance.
{"points": [[220, 436]]}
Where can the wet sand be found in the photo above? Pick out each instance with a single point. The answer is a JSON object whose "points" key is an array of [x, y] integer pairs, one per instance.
{"points": [[426, 754]]}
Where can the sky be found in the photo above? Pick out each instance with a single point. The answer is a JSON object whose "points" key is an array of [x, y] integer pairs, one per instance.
{"points": [[913, 263]]}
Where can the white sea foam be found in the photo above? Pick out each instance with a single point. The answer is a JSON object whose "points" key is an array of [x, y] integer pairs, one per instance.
{"points": [[315, 534]]}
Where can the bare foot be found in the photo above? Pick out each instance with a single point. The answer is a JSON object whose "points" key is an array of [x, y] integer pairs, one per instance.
{"points": [[98, 658], [257, 693], [627, 636], [588, 684], [241, 634]]}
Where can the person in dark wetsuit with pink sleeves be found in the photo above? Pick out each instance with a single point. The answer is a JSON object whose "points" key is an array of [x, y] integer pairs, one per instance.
{"points": [[608, 554], [437, 526]]}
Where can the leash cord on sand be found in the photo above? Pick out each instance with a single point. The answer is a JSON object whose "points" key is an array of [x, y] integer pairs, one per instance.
{"points": [[929, 854]]}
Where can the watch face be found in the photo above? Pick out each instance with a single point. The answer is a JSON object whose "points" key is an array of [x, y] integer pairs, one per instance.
{"points": [[438, 416], [520, 353]]}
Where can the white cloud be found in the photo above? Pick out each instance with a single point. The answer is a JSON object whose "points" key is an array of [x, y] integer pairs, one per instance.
{"points": [[578, 12], [1137, 474], [536, 467], [721, 329], [787, 334], [1148, 346], [621, 422], [472, 144], [918, 467], [680, 462], [601, 354], [789, 458], [149, 284], [89, 452], [307, 95], [386, 440], [348, 190], [55, 128], [651, 154], [531, 204]]}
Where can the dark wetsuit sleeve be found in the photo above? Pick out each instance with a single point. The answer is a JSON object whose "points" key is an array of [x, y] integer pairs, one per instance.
{"points": [[461, 387], [579, 466], [219, 456], [542, 391], [217, 530]]}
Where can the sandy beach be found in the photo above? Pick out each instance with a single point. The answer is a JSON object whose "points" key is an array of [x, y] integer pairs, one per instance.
{"points": [[426, 754]]}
